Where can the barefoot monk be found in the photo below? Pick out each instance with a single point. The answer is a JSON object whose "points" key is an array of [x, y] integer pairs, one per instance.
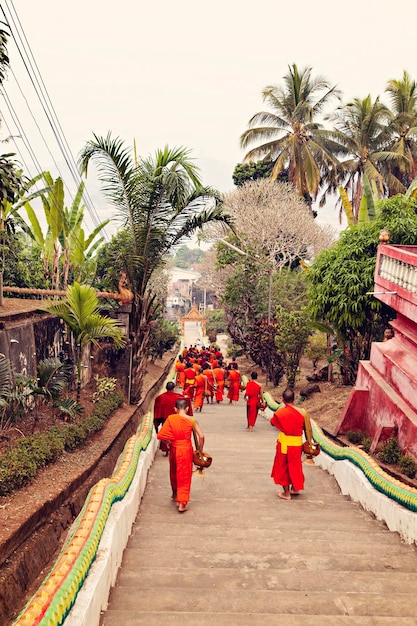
{"points": [[177, 429], [287, 469]]}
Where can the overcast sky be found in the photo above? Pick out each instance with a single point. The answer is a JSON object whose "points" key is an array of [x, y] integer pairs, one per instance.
{"points": [[189, 73]]}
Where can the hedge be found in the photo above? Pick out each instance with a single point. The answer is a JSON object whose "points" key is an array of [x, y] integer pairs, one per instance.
{"points": [[20, 464]]}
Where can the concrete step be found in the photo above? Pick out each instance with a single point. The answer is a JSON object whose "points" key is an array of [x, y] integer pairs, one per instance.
{"points": [[132, 618]]}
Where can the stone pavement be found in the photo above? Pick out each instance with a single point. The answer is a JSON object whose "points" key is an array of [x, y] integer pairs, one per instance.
{"points": [[242, 556]]}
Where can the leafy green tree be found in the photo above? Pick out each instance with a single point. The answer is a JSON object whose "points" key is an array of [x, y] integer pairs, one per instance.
{"points": [[362, 134], [245, 300], [341, 277], [80, 312], [291, 338], [22, 262], [10, 186], [185, 256], [160, 201], [290, 134], [252, 171], [215, 324], [316, 348], [164, 336]]}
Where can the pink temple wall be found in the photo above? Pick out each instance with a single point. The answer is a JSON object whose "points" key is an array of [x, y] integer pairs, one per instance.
{"points": [[384, 398]]}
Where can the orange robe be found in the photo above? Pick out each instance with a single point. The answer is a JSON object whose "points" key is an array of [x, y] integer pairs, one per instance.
{"points": [[163, 407], [287, 468], [200, 390], [189, 385], [252, 392], [210, 383], [180, 375], [177, 429], [234, 385], [219, 375]]}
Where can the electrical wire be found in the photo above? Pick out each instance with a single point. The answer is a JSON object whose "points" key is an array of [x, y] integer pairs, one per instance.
{"points": [[48, 109]]}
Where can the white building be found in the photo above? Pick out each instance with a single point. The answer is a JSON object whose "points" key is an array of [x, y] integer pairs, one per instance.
{"points": [[180, 288]]}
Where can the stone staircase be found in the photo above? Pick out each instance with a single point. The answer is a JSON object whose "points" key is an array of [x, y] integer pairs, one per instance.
{"points": [[242, 556]]}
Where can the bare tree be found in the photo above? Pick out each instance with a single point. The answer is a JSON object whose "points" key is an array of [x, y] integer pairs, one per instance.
{"points": [[275, 223]]}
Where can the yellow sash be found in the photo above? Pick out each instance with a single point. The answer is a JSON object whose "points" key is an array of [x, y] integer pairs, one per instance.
{"points": [[289, 440]]}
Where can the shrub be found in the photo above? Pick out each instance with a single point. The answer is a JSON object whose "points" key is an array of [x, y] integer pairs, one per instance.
{"points": [[17, 467], [316, 348], [366, 444], [104, 387], [75, 435], [37, 447], [407, 465], [21, 463], [390, 452], [355, 436]]}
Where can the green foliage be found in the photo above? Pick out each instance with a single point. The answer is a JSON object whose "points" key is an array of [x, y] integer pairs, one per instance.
{"points": [[185, 256], [234, 350], [104, 386], [407, 465], [366, 444], [111, 260], [292, 332], [252, 171], [161, 200], [164, 336], [20, 464], [53, 377], [22, 263], [340, 277], [10, 178], [80, 311], [245, 301], [316, 348], [17, 467], [215, 324], [69, 407], [355, 436], [391, 451]]}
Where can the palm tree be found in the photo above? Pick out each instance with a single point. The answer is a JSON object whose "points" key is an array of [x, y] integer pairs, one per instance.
{"points": [[160, 201], [80, 311], [403, 97], [290, 135], [362, 134]]}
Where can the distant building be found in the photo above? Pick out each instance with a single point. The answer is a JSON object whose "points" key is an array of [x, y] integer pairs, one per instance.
{"points": [[180, 290]]}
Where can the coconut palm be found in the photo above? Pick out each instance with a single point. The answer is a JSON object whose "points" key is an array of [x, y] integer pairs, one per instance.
{"points": [[160, 200], [403, 96], [362, 132], [80, 312], [290, 134]]}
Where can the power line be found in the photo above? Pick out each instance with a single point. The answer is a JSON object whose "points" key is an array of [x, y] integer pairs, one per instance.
{"points": [[47, 107]]}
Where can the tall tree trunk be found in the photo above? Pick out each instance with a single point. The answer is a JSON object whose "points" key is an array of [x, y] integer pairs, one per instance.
{"points": [[141, 323]]}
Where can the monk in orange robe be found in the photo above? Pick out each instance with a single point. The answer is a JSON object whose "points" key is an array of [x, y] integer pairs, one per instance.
{"points": [[234, 384], [287, 469], [177, 429], [208, 372], [189, 385], [219, 374], [165, 405], [200, 390], [180, 369], [253, 395]]}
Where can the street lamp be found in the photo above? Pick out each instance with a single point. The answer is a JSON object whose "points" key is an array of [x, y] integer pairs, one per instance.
{"points": [[270, 270]]}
